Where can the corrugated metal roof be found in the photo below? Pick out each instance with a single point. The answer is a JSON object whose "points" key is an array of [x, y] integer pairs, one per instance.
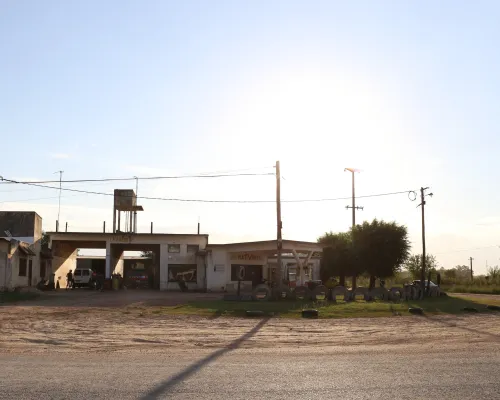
{"points": [[26, 250]]}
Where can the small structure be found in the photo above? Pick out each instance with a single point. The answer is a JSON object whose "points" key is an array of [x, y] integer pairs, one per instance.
{"points": [[125, 201], [257, 261], [20, 253], [16, 264]]}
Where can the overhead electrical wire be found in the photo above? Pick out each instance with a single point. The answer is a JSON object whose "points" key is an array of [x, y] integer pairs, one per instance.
{"points": [[471, 249], [202, 200], [146, 178]]}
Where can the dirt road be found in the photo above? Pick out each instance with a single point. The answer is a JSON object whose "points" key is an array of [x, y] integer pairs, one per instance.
{"points": [[75, 322]]}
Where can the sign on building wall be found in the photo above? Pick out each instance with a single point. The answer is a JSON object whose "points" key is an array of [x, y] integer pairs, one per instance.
{"points": [[121, 238], [246, 257]]}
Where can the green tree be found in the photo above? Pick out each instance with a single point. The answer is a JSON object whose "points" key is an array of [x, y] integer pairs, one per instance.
{"points": [[381, 248], [463, 273], [414, 265], [337, 257], [494, 272], [45, 239], [450, 274]]}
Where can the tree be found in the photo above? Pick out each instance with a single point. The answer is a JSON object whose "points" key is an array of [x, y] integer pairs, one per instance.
{"points": [[381, 248], [494, 272], [414, 265], [337, 257], [450, 274], [148, 254], [45, 239], [463, 272]]}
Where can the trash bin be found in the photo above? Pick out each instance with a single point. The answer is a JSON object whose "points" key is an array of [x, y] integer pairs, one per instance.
{"points": [[116, 283]]}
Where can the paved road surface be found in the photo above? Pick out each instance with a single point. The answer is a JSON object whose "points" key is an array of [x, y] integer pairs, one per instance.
{"points": [[352, 373]]}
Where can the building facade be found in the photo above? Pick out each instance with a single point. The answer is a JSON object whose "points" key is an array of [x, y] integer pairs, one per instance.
{"points": [[23, 232], [188, 258]]}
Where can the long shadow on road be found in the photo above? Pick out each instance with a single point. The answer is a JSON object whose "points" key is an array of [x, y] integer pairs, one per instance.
{"points": [[164, 387], [493, 336]]}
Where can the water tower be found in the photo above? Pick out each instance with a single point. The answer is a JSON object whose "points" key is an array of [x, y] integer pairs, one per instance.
{"points": [[125, 202]]}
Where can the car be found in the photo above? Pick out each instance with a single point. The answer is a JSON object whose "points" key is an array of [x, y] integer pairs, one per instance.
{"points": [[84, 277], [427, 283]]}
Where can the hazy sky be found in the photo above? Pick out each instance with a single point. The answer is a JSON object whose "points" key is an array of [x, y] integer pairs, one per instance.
{"points": [[408, 92]]}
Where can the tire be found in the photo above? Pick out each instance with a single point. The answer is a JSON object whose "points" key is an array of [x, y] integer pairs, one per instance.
{"points": [[310, 313], [320, 293], [254, 313], [262, 293], [302, 293], [470, 309], [416, 310], [493, 307]]}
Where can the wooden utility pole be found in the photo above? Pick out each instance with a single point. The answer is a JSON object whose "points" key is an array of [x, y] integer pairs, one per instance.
{"points": [[60, 190], [354, 208], [422, 273], [471, 272], [134, 229], [279, 225]]}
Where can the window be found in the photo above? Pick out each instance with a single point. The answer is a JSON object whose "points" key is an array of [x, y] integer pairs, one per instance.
{"points": [[246, 272], [85, 272], [192, 248], [22, 266], [78, 272], [174, 248]]}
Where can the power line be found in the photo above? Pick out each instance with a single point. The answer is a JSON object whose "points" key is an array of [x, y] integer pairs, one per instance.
{"points": [[37, 198], [144, 178], [471, 249], [200, 200]]}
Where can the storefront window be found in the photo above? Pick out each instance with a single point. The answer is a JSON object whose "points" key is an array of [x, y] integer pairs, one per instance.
{"points": [[174, 248]]}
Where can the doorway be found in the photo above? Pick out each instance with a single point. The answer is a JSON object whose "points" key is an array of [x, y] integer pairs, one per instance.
{"points": [[30, 272]]}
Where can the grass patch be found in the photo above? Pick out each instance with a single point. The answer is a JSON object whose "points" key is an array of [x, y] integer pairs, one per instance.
{"points": [[474, 289], [13, 297], [341, 309]]}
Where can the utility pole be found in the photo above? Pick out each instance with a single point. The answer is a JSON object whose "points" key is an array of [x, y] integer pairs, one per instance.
{"points": [[471, 272], [135, 212], [279, 224], [354, 208], [60, 190], [422, 272]]}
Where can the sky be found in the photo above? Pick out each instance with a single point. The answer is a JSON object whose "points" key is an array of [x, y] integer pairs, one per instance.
{"points": [[407, 92]]}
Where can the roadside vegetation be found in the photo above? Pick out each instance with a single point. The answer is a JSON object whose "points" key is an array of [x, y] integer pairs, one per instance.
{"points": [[380, 251], [354, 309]]}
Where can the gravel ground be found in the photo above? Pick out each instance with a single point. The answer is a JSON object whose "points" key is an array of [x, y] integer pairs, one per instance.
{"points": [[69, 321], [97, 345]]}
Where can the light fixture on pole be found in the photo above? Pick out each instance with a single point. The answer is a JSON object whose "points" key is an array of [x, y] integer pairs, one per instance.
{"points": [[353, 206]]}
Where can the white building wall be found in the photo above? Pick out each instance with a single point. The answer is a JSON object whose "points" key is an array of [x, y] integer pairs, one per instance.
{"points": [[218, 270]]}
